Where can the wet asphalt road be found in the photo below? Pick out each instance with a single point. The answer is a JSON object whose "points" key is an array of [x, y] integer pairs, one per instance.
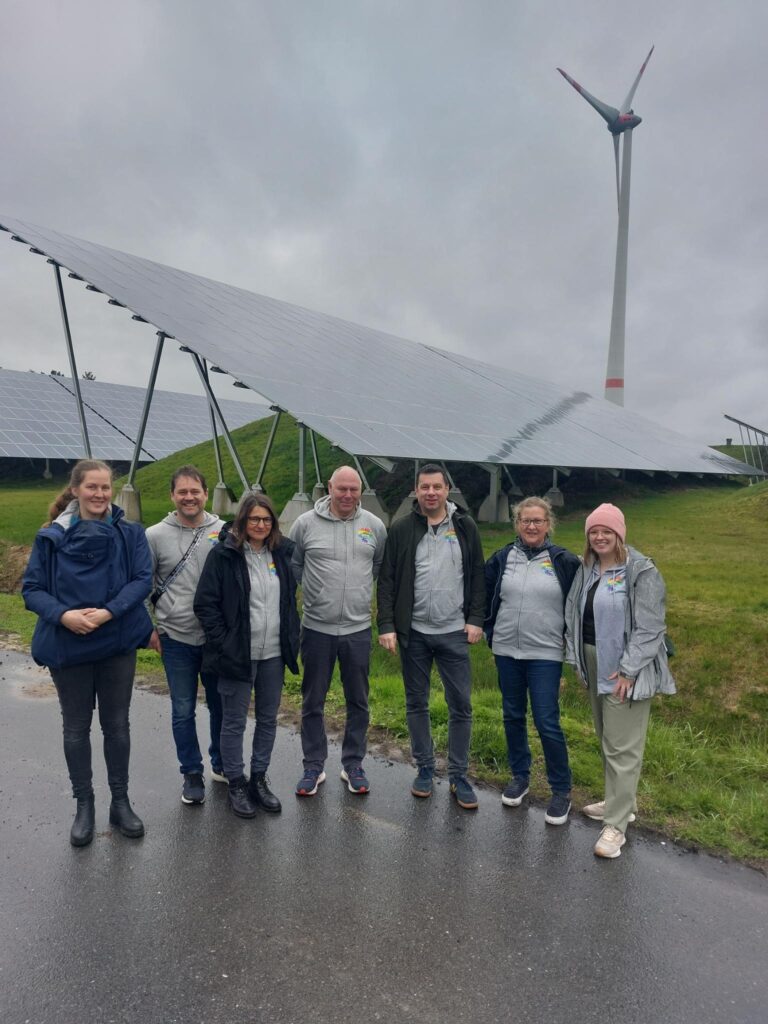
{"points": [[343, 908]]}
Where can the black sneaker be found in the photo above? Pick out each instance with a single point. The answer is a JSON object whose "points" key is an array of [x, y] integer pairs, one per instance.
{"points": [[558, 810], [193, 790], [463, 793], [514, 793], [261, 794]]}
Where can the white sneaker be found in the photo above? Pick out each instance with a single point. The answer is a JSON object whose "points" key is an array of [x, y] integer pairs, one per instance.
{"points": [[218, 775], [597, 811], [610, 842]]}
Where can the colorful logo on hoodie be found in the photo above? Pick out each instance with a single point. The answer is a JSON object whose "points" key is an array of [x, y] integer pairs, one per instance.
{"points": [[546, 566], [365, 533], [450, 536], [213, 536], [271, 567], [617, 583]]}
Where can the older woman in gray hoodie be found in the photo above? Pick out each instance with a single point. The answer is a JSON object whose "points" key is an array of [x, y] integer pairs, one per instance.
{"points": [[615, 632]]}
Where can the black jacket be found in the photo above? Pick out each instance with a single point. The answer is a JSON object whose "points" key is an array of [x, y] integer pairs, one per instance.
{"points": [[398, 572], [564, 562], [222, 606]]}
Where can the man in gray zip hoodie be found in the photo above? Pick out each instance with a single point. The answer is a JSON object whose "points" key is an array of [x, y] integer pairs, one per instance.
{"points": [[338, 551], [178, 636]]}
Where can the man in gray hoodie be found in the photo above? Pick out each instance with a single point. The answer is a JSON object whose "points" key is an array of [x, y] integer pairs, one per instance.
{"points": [[180, 545], [338, 550]]}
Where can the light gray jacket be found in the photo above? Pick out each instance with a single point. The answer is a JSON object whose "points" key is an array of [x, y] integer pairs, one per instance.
{"points": [[336, 562], [168, 541], [644, 656]]}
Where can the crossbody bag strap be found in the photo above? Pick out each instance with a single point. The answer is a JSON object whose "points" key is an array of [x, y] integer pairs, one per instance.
{"points": [[177, 569]]}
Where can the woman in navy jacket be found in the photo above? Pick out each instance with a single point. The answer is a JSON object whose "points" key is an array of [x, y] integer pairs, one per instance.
{"points": [[246, 604], [88, 576]]}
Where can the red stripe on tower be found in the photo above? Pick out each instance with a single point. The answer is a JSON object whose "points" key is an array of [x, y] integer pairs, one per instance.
{"points": [[614, 382]]}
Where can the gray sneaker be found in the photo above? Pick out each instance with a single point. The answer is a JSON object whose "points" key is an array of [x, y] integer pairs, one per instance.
{"points": [[597, 811]]}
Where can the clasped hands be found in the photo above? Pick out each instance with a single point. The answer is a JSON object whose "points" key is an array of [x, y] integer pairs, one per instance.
{"points": [[84, 620]]}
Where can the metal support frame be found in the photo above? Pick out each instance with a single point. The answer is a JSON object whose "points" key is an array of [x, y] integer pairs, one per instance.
{"points": [[72, 363], [220, 416], [302, 456], [315, 459], [147, 404], [363, 477], [214, 434], [258, 484]]}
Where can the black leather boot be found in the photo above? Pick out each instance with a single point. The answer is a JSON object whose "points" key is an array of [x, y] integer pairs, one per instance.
{"points": [[85, 820], [239, 800], [261, 794], [122, 815]]}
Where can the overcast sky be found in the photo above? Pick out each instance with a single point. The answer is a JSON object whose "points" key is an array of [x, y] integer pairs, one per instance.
{"points": [[419, 167]]}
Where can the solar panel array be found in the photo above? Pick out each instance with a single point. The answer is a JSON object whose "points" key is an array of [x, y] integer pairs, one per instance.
{"points": [[373, 393], [38, 418]]}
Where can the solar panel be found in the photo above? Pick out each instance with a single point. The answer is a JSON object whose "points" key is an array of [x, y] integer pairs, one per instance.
{"points": [[370, 392], [38, 418]]}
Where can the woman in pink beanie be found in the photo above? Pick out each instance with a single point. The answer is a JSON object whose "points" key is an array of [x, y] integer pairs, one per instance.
{"points": [[615, 631]]}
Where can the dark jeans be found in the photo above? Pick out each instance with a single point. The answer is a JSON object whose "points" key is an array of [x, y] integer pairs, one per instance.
{"points": [[450, 652], [182, 663], [267, 686], [319, 653], [519, 679], [110, 683]]}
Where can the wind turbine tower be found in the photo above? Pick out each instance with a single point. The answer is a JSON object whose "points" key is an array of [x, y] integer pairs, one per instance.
{"points": [[621, 122]]}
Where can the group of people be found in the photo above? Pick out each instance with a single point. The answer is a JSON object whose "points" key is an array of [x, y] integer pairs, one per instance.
{"points": [[222, 598]]}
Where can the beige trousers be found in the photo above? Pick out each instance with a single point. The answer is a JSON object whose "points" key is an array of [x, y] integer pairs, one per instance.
{"points": [[621, 728]]}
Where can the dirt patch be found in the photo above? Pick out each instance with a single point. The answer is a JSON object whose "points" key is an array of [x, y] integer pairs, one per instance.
{"points": [[13, 562]]}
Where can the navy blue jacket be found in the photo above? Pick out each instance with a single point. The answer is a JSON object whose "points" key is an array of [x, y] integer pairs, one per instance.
{"points": [[564, 562], [222, 605], [92, 564]]}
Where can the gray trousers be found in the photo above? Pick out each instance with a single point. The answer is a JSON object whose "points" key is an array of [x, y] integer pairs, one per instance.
{"points": [[450, 653], [319, 654], [267, 686], [621, 728]]}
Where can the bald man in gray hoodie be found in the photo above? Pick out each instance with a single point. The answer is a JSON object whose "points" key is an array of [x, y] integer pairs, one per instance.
{"points": [[338, 551]]}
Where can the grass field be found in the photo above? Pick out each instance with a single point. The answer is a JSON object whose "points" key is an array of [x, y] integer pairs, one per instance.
{"points": [[705, 778]]}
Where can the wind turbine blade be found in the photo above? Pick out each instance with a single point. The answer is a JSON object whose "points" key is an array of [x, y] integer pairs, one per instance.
{"points": [[616, 158], [628, 101], [609, 114]]}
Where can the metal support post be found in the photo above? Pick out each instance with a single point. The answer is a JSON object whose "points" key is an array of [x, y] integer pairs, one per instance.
{"points": [[147, 404], [301, 501], [224, 429], [72, 363], [318, 491], [258, 483]]}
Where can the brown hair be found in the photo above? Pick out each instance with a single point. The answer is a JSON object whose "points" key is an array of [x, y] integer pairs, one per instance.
{"points": [[534, 502], [239, 532], [192, 472], [76, 477]]}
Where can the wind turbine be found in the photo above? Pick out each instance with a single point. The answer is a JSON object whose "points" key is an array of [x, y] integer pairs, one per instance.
{"points": [[620, 122]]}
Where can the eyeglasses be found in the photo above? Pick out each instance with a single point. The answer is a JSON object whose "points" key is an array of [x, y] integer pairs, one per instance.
{"points": [[260, 520], [532, 522]]}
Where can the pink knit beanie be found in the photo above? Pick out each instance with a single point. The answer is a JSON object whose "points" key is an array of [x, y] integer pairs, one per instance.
{"points": [[609, 516]]}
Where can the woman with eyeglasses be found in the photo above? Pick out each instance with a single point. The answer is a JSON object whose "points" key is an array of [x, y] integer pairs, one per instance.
{"points": [[246, 604], [615, 637], [527, 583]]}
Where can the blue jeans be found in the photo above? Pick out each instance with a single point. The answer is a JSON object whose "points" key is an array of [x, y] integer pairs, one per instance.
{"points": [[519, 678], [267, 686], [450, 652], [182, 663]]}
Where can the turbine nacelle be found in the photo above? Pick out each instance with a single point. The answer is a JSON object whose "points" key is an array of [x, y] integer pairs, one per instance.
{"points": [[624, 123]]}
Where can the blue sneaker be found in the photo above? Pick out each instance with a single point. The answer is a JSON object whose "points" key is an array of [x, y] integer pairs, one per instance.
{"points": [[558, 810], [514, 793], [356, 780], [463, 793], [308, 783], [422, 784]]}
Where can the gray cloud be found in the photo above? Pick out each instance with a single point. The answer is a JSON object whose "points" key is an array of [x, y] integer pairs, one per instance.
{"points": [[418, 168]]}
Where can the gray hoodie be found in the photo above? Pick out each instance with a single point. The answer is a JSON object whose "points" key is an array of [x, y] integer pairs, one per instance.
{"points": [[336, 561], [168, 541]]}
